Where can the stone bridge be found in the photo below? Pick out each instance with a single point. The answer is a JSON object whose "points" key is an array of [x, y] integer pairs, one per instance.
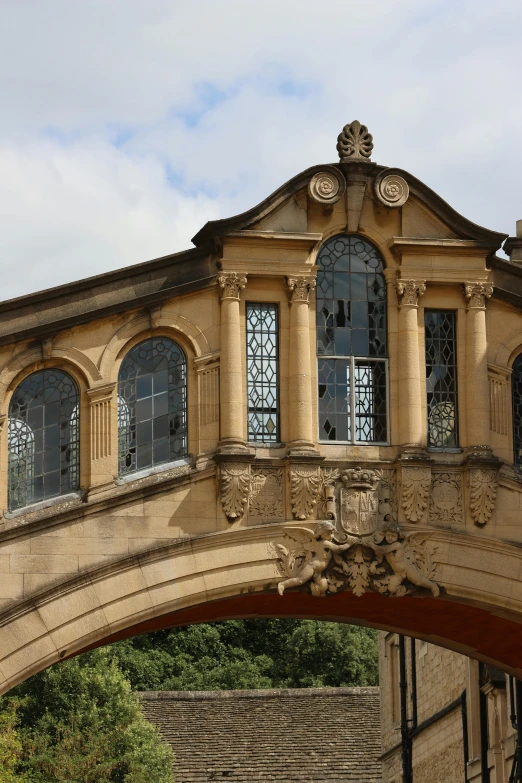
{"points": [[315, 412]]}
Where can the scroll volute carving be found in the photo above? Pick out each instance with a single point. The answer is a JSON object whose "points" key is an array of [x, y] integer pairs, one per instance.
{"points": [[234, 488], [483, 487], [416, 483], [305, 484]]}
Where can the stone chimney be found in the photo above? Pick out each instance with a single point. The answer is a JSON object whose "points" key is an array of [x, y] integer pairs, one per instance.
{"points": [[513, 246]]}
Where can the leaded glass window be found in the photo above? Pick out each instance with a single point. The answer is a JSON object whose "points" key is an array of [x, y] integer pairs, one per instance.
{"points": [[43, 438], [152, 405], [262, 372], [441, 378], [351, 342], [516, 382]]}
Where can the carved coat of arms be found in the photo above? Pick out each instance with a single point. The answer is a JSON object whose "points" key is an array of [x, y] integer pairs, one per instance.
{"points": [[359, 502]]}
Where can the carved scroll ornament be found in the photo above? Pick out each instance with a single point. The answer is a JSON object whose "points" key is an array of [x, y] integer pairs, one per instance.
{"points": [[483, 486], [327, 187], [305, 483], [415, 492], [231, 285], [392, 190], [408, 291], [477, 293], [388, 562], [354, 142], [234, 488]]}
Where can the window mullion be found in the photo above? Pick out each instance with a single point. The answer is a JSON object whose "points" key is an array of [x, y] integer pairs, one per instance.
{"points": [[352, 400]]}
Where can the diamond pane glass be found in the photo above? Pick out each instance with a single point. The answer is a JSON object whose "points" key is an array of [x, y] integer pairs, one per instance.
{"points": [[516, 382], [441, 378], [152, 405], [43, 438], [262, 372], [351, 322]]}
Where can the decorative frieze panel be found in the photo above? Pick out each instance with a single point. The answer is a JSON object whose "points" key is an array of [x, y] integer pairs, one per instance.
{"points": [[445, 506], [483, 487], [266, 496], [388, 562]]}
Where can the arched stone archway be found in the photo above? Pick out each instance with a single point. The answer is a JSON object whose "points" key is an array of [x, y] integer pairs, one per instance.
{"points": [[235, 574]]}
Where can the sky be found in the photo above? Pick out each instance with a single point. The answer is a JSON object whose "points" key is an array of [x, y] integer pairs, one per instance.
{"points": [[126, 124]]}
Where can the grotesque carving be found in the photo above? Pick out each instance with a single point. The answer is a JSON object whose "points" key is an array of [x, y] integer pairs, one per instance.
{"points": [[232, 284], [482, 494], [446, 498], [327, 187], [408, 291], [299, 288], [235, 485], [477, 293], [354, 142], [392, 190], [265, 499], [305, 483], [415, 492], [388, 562]]}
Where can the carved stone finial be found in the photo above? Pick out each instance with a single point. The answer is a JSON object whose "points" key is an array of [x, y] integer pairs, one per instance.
{"points": [[232, 284], [354, 142], [477, 293], [299, 288], [408, 291]]}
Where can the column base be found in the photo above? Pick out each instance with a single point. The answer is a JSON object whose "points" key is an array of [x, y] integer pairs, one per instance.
{"points": [[233, 446], [413, 452], [302, 448]]}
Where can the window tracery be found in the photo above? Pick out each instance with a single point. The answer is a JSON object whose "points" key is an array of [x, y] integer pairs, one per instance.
{"points": [[152, 405], [351, 342]]}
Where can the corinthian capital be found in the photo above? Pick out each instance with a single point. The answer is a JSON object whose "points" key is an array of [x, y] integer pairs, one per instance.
{"points": [[408, 291], [477, 293], [299, 288], [232, 284]]}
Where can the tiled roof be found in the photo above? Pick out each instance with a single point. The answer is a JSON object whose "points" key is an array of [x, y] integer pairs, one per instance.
{"points": [[281, 736]]}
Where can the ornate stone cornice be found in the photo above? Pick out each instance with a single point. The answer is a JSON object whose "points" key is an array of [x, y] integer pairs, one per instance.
{"points": [[299, 288], [477, 293], [408, 291], [232, 284]]}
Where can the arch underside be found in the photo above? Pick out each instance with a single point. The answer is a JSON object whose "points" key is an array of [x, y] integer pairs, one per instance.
{"points": [[234, 574]]}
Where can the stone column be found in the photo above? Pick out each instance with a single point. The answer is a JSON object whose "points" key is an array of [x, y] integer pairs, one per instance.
{"points": [[232, 409], [477, 386], [103, 426], [409, 396], [300, 424]]}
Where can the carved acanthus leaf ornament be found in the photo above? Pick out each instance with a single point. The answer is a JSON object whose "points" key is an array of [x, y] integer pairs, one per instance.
{"points": [[408, 291], [483, 486], [305, 483], [231, 285], [299, 288], [235, 487], [354, 142], [389, 562], [415, 492], [477, 293]]}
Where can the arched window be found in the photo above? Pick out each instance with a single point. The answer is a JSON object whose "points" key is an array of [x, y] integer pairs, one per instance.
{"points": [[152, 405], [351, 342], [43, 438], [516, 383]]}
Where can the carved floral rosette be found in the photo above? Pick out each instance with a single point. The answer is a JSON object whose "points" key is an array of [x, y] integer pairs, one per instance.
{"points": [[392, 190], [327, 187], [234, 488]]}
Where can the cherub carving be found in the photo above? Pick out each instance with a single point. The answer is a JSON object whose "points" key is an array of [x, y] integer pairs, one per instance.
{"points": [[406, 560], [311, 560]]}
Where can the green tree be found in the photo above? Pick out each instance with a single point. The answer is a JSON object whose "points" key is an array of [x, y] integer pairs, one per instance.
{"points": [[81, 723], [11, 748]]}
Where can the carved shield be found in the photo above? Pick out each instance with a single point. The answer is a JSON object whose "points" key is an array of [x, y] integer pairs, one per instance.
{"points": [[359, 509]]}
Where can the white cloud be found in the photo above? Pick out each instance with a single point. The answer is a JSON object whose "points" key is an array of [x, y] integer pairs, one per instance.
{"points": [[126, 125]]}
